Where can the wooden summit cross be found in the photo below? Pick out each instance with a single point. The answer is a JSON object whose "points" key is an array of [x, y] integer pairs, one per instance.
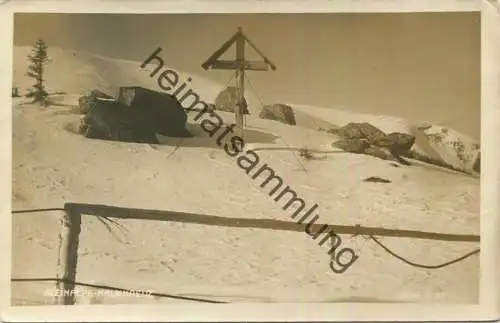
{"points": [[240, 65]]}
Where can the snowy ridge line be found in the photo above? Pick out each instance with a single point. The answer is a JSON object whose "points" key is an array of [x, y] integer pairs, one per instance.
{"points": [[113, 288], [357, 230]]}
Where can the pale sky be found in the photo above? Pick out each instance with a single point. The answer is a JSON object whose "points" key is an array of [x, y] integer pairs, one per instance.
{"points": [[422, 66]]}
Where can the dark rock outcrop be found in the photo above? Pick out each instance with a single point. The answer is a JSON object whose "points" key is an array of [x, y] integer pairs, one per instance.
{"points": [[477, 165], [227, 101], [86, 102], [363, 130], [398, 143], [110, 120], [357, 146], [278, 112], [161, 112], [380, 152], [368, 139], [137, 116], [376, 179]]}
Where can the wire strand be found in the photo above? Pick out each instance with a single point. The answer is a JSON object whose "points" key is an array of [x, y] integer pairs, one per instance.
{"points": [[38, 210], [414, 264], [254, 91], [282, 138]]}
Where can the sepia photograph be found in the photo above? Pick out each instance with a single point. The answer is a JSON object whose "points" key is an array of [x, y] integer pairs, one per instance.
{"points": [[246, 158]]}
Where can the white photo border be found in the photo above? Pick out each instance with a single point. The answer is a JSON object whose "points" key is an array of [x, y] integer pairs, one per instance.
{"points": [[489, 303]]}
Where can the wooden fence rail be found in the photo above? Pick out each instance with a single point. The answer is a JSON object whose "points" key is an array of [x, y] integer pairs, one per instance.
{"points": [[172, 216]]}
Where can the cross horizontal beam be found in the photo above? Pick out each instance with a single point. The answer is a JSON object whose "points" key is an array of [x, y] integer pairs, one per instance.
{"points": [[231, 65]]}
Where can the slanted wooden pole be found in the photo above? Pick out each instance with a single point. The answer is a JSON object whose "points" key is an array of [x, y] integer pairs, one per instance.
{"points": [[68, 256], [240, 59]]}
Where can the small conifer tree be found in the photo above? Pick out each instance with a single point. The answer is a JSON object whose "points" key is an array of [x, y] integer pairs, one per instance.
{"points": [[38, 59]]}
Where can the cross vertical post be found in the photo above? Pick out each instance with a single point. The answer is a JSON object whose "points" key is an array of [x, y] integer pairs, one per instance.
{"points": [[240, 59]]}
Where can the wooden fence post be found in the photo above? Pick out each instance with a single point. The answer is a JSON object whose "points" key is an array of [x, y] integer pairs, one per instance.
{"points": [[68, 256]]}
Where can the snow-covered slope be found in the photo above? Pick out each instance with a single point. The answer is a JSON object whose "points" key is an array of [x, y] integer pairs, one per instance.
{"points": [[76, 73], [53, 165], [91, 71], [454, 148]]}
